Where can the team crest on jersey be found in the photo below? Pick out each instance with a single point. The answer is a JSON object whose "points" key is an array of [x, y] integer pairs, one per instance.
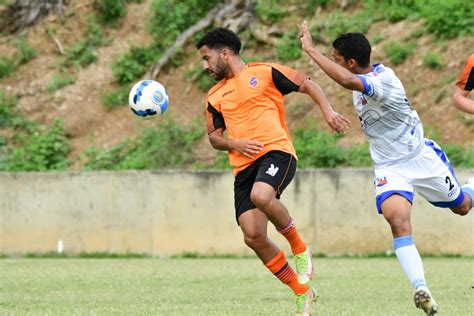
{"points": [[381, 181], [253, 82]]}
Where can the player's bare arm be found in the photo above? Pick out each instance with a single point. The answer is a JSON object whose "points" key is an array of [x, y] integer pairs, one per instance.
{"points": [[335, 120], [462, 102], [247, 147], [337, 72]]}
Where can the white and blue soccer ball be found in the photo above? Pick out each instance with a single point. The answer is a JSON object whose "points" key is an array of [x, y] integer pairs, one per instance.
{"points": [[148, 98]]}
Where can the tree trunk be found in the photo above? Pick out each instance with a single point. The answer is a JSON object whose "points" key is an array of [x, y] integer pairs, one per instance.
{"points": [[25, 13]]}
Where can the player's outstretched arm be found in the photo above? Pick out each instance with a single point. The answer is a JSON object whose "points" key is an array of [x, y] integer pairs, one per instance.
{"points": [[335, 120], [338, 73], [246, 147], [462, 102]]}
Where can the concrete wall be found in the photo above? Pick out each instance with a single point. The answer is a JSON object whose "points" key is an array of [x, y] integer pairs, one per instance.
{"points": [[165, 213]]}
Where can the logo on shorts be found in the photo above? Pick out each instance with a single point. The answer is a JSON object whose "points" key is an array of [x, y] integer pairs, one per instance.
{"points": [[272, 170], [381, 181], [253, 82]]}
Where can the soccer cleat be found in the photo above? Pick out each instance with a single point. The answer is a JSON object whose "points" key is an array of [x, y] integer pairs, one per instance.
{"points": [[304, 266], [303, 302], [425, 301]]}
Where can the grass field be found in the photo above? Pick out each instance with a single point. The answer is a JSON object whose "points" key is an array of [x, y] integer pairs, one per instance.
{"points": [[145, 286]]}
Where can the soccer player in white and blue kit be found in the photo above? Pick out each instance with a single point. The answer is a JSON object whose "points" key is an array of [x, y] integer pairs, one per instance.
{"points": [[404, 161]]}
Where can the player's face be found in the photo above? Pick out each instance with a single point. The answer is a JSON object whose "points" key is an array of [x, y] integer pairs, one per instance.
{"points": [[213, 63], [339, 59]]}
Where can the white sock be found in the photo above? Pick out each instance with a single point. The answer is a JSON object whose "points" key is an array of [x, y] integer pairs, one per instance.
{"points": [[469, 189], [410, 259]]}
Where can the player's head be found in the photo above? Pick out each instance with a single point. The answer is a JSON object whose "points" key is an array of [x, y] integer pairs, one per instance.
{"points": [[216, 48], [352, 50]]}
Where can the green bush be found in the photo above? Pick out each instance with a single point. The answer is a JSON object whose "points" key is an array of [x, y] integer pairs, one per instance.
{"points": [[27, 53], [271, 11], [169, 145], [59, 81], [7, 110], [135, 63], [432, 60], [449, 18], [85, 52], [46, 148], [398, 53], [460, 156], [318, 149], [170, 18], [6, 67], [110, 11], [289, 46], [117, 97]]}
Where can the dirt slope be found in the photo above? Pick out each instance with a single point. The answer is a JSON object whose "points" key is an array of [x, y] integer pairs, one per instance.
{"points": [[89, 123]]}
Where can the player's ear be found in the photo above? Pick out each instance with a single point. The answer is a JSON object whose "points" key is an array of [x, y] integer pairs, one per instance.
{"points": [[352, 63]]}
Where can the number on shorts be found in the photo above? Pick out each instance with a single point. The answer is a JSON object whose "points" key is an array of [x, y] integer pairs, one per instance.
{"points": [[451, 185]]}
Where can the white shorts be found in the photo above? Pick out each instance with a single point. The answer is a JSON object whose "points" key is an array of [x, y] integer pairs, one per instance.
{"points": [[430, 173]]}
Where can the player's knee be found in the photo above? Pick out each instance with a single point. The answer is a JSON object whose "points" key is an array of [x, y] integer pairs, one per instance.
{"points": [[255, 240], [261, 199], [462, 210]]}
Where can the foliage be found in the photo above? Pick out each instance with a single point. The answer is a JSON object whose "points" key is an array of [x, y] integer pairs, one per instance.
{"points": [[116, 97], [317, 149], [289, 47], [59, 81], [460, 156], [169, 18], [271, 11], [27, 53], [7, 110], [6, 67], [339, 23], [397, 53], [110, 11], [45, 148], [169, 145], [85, 52], [432, 60], [449, 18], [133, 64]]}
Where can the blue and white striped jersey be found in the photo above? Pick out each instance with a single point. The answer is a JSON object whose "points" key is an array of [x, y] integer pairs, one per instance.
{"points": [[394, 131]]}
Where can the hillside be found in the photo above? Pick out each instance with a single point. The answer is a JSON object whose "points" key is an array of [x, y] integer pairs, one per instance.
{"points": [[89, 123]]}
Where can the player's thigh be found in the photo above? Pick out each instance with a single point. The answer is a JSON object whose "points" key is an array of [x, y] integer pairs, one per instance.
{"points": [[392, 181], [440, 186], [277, 169]]}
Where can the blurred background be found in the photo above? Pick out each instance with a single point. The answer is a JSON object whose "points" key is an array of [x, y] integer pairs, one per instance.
{"points": [[66, 68]]}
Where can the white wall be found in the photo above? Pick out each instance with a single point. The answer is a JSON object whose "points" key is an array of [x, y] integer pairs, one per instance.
{"points": [[165, 213]]}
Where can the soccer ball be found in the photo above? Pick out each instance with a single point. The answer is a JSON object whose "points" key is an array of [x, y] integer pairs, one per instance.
{"points": [[148, 98]]}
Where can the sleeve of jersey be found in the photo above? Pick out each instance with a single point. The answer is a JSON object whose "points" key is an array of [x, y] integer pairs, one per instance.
{"points": [[286, 79], [215, 119], [466, 80], [369, 88]]}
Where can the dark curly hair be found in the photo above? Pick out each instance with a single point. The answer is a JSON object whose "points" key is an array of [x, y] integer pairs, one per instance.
{"points": [[219, 38], [355, 46]]}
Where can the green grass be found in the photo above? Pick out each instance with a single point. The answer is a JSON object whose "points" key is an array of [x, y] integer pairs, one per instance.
{"points": [[184, 286]]}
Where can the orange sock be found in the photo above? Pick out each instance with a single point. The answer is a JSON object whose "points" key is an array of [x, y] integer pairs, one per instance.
{"points": [[291, 234], [282, 270]]}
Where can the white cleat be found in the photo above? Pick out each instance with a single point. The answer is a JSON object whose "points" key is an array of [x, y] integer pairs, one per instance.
{"points": [[425, 301]]}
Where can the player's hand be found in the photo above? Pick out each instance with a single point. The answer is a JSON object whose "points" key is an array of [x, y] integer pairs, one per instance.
{"points": [[337, 122], [247, 147], [306, 40]]}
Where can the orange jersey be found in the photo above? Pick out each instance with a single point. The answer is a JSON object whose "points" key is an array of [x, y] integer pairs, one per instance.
{"points": [[250, 106], [466, 80]]}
